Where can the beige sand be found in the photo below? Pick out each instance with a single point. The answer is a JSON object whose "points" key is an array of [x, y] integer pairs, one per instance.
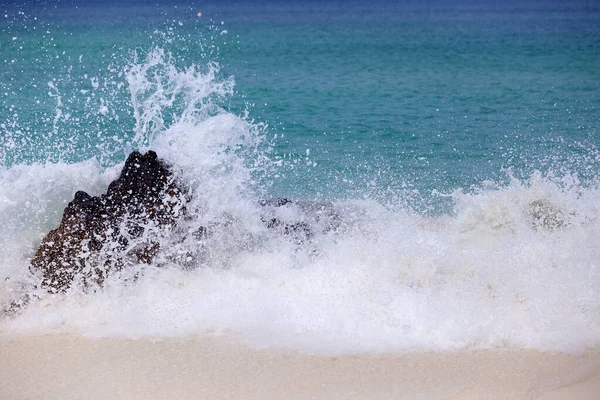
{"points": [[66, 367]]}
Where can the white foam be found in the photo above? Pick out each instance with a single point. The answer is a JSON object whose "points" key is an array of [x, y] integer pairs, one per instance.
{"points": [[386, 279]]}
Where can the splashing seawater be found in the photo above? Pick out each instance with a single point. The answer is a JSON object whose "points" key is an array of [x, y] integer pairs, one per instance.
{"points": [[515, 264]]}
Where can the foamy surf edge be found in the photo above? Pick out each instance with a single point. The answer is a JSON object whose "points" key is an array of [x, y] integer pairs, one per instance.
{"points": [[512, 264]]}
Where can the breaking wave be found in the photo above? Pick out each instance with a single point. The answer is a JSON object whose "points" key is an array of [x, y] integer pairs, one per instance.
{"points": [[510, 264]]}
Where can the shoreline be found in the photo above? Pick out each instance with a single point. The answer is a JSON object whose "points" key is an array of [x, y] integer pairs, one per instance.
{"points": [[73, 367]]}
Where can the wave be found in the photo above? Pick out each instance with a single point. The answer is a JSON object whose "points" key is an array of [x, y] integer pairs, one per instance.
{"points": [[512, 264]]}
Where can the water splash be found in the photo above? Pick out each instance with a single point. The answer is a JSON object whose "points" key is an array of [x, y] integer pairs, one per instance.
{"points": [[513, 262], [161, 95]]}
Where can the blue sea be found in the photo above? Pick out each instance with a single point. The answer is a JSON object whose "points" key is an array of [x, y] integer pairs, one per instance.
{"points": [[458, 141]]}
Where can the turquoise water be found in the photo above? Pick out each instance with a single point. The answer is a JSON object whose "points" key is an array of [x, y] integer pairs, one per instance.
{"points": [[434, 96], [443, 97], [458, 143]]}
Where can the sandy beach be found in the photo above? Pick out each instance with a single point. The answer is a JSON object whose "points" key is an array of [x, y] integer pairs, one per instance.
{"points": [[70, 367]]}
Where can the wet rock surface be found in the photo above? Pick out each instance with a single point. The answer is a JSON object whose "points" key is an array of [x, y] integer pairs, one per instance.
{"points": [[320, 217], [100, 234], [544, 215]]}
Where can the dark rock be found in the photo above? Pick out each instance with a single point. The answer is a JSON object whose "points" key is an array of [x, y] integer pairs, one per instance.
{"points": [[276, 202], [316, 217], [98, 234], [544, 215]]}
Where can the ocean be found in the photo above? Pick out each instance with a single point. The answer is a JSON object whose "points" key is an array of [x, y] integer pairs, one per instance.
{"points": [[457, 142]]}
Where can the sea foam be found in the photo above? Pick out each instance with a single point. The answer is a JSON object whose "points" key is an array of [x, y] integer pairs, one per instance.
{"points": [[492, 272]]}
